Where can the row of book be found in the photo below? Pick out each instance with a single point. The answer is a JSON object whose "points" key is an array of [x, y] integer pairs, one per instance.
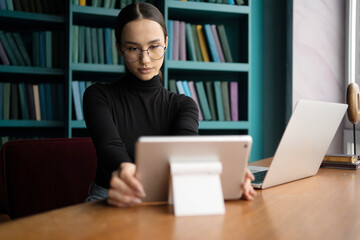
{"points": [[45, 47], [78, 89], [55, 7], [94, 45], [29, 101], [230, 2], [107, 3], [216, 100], [197, 42]]}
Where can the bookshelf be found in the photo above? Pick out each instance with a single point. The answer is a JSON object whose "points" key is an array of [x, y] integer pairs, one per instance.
{"points": [[237, 19]]}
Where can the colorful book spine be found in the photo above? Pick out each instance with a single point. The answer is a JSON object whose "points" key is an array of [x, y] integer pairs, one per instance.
{"points": [[234, 101], [115, 57], [14, 49], [108, 52], [100, 36], [172, 86], [94, 44], [4, 58], [182, 45], [226, 101], [195, 97], [9, 5], [224, 43], [3, 5], [48, 49], [203, 100], [170, 42], [218, 99], [76, 100], [37, 102], [203, 47], [81, 47], [211, 43], [196, 43], [211, 99], [75, 44], [7, 48], [180, 87], [21, 46], [186, 88], [88, 45], [217, 43], [23, 101], [190, 42], [42, 49], [176, 40]]}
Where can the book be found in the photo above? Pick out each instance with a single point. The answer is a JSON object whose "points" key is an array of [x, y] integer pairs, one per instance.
{"points": [[7, 48], [195, 97], [211, 43], [100, 42], [240, 2], [21, 46], [54, 101], [203, 100], [14, 107], [14, 49], [226, 100], [42, 49], [224, 43], [341, 165], [190, 43], [211, 99], [3, 5], [108, 50], [76, 100], [234, 100], [81, 44], [23, 101], [25, 5], [36, 49], [172, 86], [75, 44], [6, 101], [48, 102], [170, 41], [180, 87], [219, 101], [186, 88], [56, 45], [37, 102], [176, 40], [341, 158], [182, 43], [217, 43], [231, 2], [196, 43], [115, 56], [203, 47], [9, 5], [106, 3], [82, 87], [42, 101], [4, 58], [88, 45], [17, 5], [82, 2], [30, 101], [48, 49]]}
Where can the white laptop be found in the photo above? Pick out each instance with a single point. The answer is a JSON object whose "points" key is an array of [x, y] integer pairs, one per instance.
{"points": [[306, 139]]}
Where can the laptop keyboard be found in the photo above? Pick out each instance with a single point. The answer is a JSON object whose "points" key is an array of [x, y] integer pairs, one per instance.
{"points": [[258, 174]]}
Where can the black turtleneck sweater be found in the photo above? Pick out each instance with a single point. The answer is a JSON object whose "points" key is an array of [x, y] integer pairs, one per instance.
{"points": [[117, 114]]}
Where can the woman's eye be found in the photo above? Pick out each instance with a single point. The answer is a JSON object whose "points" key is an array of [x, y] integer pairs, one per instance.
{"points": [[154, 46], [132, 49]]}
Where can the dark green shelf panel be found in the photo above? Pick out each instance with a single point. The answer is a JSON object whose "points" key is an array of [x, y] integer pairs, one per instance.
{"points": [[88, 10], [31, 70], [32, 17], [94, 16], [202, 7], [86, 67], [208, 66], [215, 125], [224, 125], [78, 124], [31, 123]]}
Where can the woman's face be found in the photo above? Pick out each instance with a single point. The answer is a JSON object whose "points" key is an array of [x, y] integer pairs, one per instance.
{"points": [[142, 34]]}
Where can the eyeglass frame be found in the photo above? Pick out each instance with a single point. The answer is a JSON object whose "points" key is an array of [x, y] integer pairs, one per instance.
{"points": [[141, 50]]}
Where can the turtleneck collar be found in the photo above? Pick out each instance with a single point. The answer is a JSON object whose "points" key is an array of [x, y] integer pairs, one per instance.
{"points": [[133, 82]]}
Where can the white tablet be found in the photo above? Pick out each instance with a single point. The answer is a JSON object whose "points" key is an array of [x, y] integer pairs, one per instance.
{"points": [[152, 156]]}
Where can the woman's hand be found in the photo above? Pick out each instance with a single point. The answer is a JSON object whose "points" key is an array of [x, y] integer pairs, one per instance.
{"points": [[248, 191], [125, 190]]}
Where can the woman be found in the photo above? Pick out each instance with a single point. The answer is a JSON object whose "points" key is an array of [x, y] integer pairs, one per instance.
{"points": [[118, 114]]}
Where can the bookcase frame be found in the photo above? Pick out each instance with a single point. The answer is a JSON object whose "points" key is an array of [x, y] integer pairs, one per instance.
{"points": [[247, 69]]}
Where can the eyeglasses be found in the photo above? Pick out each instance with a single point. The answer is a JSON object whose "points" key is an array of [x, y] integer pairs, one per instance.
{"points": [[155, 52]]}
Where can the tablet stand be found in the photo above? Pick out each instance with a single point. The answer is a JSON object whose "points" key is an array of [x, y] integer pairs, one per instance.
{"points": [[195, 186]]}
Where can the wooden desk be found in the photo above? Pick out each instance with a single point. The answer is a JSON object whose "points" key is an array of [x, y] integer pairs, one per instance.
{"points": [[321, 207]]}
